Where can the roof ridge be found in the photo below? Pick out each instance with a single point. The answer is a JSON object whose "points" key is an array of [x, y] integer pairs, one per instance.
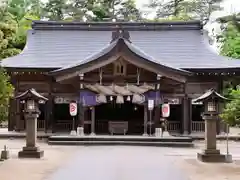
{"points": [[106, 26]]}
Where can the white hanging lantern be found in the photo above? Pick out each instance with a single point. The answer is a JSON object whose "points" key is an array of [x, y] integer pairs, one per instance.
{"points": [[165, 110]]}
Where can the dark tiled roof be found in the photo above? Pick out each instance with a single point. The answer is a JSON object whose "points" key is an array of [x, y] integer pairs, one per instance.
{"points": [[180, 45], [111, 46], [211, 93]]}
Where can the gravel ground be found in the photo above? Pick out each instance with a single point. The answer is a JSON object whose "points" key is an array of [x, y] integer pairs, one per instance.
{"points": [[32, 169], [117, 163]]}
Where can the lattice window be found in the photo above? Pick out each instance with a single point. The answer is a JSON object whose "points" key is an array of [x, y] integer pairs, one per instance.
{"points": [[119, 68]]}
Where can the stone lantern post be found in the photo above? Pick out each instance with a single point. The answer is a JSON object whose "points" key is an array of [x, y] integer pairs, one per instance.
{"points": [[31, 100], [211, 100]]}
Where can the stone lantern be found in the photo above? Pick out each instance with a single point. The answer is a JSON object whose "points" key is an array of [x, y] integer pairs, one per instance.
{"points": [[211, 100], [31, 100]]}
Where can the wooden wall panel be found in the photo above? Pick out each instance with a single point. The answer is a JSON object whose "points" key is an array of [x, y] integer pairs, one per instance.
{"points": [[41, 87], [200, 87]]}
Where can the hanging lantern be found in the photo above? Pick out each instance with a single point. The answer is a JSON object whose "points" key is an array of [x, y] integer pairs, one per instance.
{"points": [[165, 110], [128, 98]]}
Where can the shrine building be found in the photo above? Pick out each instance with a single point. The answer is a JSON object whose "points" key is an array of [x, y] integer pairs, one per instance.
{"points": [[112, 69]]}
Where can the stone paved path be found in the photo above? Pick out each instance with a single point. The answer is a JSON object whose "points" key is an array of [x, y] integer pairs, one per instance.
{"points": [[119, 163]]}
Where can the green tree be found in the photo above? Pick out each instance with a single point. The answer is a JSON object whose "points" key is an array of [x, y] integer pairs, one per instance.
{"points": [[7, 31], [167, 8], [55, 9], [230, 40], [7, 34], [202, 9], [20, 8], [128, 11], [104, 9], [197, 9], [6, 91], [20, 11], [231, 113]]}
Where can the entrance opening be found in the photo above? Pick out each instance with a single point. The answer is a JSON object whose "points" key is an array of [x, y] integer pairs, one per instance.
{"points": [[196, 112], [129, 113], [41, 119], [175, 118], [63, 119], [175, 112]]}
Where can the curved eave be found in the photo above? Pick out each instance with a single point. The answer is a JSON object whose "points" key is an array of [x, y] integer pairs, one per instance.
{"points": [[137, 51], [208, 95], [132, 48], [107, 49]]}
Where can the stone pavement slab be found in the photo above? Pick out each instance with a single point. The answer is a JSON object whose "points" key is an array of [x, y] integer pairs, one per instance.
{"points": [[119, 163]]}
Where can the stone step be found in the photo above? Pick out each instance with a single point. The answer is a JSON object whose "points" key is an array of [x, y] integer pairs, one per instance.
{"points": [[121, 138], [129, 143]]}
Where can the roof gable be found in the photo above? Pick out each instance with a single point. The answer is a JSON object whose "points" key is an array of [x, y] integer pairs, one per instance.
{"points": [[120, 47]]}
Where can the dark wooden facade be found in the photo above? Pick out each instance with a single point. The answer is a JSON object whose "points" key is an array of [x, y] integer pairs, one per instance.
{"points": [[64, 91]]}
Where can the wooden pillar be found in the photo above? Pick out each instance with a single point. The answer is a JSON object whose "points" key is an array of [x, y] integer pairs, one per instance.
{"points": [[190, 116], [157, 113], [93, 120], [49, 108], [11, 114], [145, 120], [49, 118], [53, 120], [157, 110], [18, 110], [80, 128], [12, 108], [186, 115]]}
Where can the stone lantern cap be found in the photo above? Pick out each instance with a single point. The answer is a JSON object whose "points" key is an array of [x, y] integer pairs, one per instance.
{"points": [[211, 94], [31, 94]]}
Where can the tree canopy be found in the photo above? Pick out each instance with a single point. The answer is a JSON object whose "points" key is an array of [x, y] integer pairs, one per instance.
{"points": [[196, 9], [230, 38], [231, 113]]}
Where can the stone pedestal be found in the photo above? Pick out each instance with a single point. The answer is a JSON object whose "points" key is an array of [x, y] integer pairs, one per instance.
{"points": [[214, 156], [211, 153], [80, 131], [166, 134], [158, 132], [92, 134], [4, 155], [73, 133], [30, 150]]}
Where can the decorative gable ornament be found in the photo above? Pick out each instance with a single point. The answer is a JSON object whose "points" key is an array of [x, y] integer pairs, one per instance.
{"points": [[120, 33], [120, 68]]}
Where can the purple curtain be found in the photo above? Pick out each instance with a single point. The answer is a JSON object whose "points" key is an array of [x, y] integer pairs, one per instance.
{"points": [[152, 95], [88, 98]]}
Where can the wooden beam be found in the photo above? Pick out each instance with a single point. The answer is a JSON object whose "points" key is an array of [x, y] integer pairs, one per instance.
{"points": [[87, 69], [152, 68]]}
